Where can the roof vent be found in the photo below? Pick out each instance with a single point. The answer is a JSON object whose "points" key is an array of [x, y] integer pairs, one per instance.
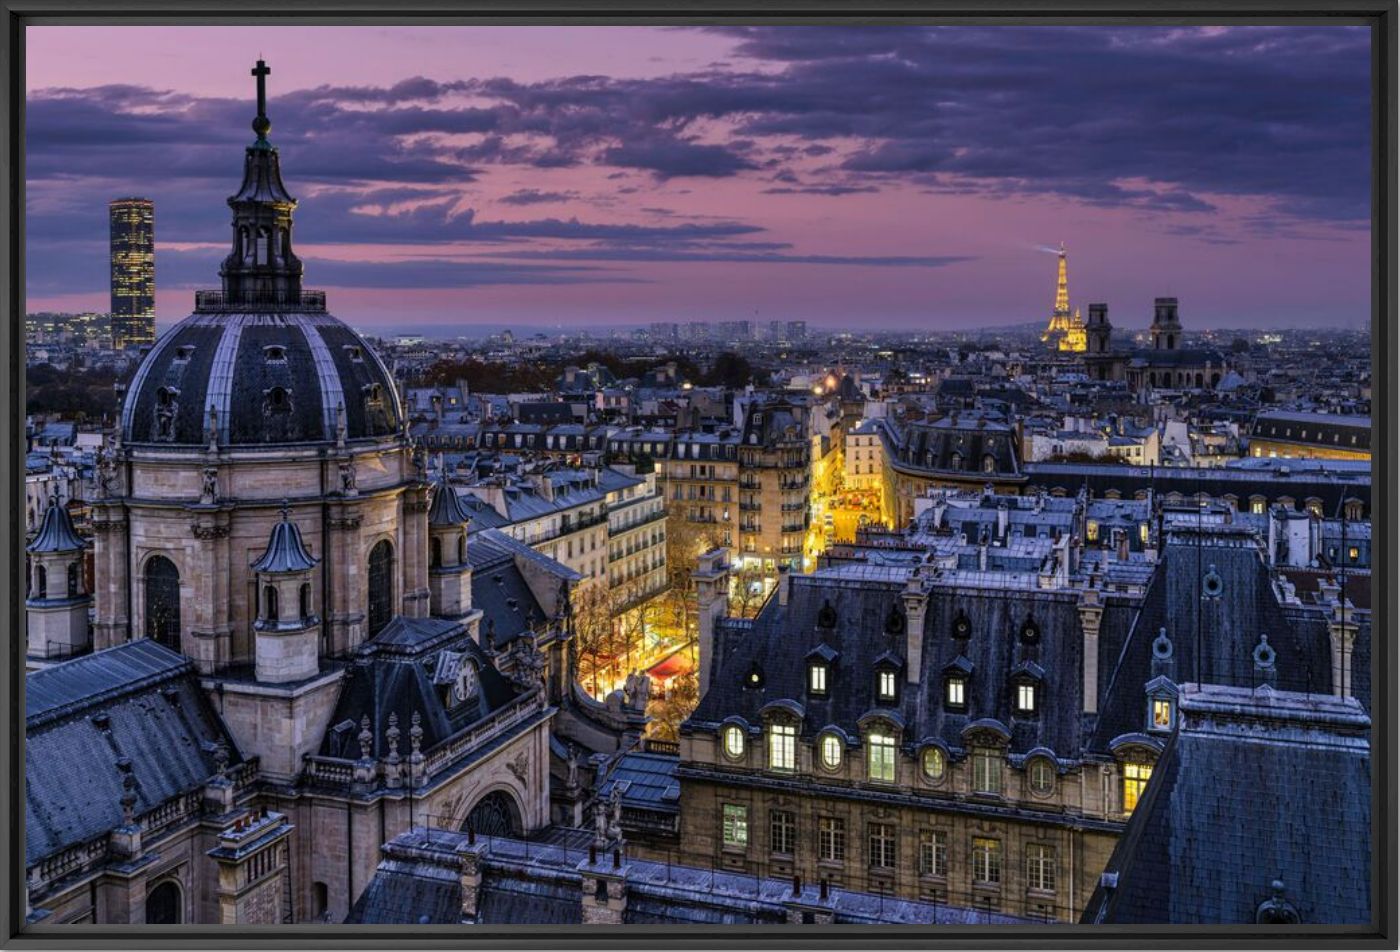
{"points": [[101, 720]]}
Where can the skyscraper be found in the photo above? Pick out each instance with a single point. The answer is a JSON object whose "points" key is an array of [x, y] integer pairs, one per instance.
{"points": [[133, 272]]}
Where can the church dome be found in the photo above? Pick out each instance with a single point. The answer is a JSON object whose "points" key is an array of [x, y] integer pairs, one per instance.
{"points": [[260, 362], [260, 377]]}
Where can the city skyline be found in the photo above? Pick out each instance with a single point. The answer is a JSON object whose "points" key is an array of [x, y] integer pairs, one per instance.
{"points": [[731, 174]]}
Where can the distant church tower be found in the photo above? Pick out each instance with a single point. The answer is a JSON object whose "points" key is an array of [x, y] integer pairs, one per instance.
{"points": [[1166, 325], [1066, 328]]}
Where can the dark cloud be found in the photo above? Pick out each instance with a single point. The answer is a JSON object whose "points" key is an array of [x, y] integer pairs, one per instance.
{"points": [[533, 196], [1162, 120]]}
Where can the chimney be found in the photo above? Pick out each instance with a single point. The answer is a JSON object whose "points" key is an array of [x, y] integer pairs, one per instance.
{"points": [[916, 592], [711, 577], [1120, 539], [784, 584], [1090, 618], [1003, 521]]}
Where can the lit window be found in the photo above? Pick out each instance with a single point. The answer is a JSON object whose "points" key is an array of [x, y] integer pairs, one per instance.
{"points": [[816, 679], [882, 845], [986, 861], [935, 763], [1142, 533], [782, 747], [734, 741], [886, 685], [831, 751], [986, 770], [782, 832], [1042, 777], [1353, 553], [1025, 697], [1135, 777], [1161, 714], [1093, 531], [880, 756], [1040, 867], [736, 825], [957, 692], [831, 839], [933, 853]]}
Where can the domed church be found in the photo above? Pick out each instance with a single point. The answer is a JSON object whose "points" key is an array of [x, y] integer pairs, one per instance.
{"points": [[283, 668]]}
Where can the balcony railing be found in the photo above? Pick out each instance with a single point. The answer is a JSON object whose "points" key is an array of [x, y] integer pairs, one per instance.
{"points": [[261, 300]]}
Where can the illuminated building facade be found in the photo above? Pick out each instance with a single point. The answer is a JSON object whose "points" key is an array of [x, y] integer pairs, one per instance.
{"points": [[1066, 328], [133, 223]]}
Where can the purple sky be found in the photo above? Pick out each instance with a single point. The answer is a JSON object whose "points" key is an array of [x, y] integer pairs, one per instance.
{"points": [[854, 177]]}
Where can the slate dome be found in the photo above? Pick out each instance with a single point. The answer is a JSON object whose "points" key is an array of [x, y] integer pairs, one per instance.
{"points": [[260, 361], [260, 377]]}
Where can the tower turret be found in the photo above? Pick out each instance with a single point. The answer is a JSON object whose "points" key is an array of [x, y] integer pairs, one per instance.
{"points": [[57, 607], [287, 631], [449, 572]]}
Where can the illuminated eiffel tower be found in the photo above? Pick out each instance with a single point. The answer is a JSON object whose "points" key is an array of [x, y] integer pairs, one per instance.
{"points": [[1066, 328]]}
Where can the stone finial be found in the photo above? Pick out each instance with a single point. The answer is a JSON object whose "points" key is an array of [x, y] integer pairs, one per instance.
{"points": [[340, 425], [415, 734], [366, 738], [128, 798], [221, 758], [391, 736]]}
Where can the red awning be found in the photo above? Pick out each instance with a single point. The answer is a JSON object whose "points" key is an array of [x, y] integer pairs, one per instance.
{"points": [[678, 663]]}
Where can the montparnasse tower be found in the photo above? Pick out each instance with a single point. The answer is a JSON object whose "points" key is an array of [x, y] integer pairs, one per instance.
{"points": [[1066, 328]]}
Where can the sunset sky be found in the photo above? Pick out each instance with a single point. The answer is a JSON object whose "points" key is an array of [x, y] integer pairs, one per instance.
{"points": [[854, 177]]}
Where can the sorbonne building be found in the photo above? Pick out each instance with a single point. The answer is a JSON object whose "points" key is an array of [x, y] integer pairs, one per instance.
{"points": [[971, 715], [286, 666]]}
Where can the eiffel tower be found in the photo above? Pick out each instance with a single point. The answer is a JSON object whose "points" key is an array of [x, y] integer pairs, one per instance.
{"points": [[1066, 329]]}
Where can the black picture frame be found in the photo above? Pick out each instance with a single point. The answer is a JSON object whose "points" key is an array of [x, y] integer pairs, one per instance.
{"points": [[1379, 15]]}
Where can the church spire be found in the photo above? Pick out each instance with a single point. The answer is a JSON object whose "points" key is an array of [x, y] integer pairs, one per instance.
{"points": [[262, 270]]}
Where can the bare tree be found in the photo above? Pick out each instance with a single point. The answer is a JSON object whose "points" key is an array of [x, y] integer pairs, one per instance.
{"points": [[670, 710]]}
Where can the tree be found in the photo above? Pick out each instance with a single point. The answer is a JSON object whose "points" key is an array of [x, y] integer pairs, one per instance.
{"points": [[668, 711]]}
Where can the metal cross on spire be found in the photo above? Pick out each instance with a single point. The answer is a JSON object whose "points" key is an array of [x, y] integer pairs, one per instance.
{"points": [[261, 124]]}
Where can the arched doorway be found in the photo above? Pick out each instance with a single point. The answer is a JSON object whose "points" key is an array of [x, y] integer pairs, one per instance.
{"points": [[494, 815], [381, 586], [164, 905], [163, 602]]}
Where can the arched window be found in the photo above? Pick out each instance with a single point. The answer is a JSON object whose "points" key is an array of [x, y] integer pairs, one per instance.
{"points": [[260, 255], [41, 585], [164, 905], [494, 815], [381, 586], [72, 579], [436, 547], [270, 603], [163, 602], [320, 900], [304, 600], [462, 550]]}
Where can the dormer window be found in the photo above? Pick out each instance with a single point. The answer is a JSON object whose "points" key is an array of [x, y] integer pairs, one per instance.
{"points": [[782, 747], [733, 742], [1030, 632], [955, 692], [1025, 697], [831, 749], [816, 679], [879, 755], [754, 679], [184, 353], [935, 764], [275, 353], [1041, 776], [1162, 714], [885, 684]]}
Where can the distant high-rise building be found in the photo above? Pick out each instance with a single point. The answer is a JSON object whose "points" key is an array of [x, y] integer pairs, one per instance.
{"points": [[796, 330], [133, 272]]}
